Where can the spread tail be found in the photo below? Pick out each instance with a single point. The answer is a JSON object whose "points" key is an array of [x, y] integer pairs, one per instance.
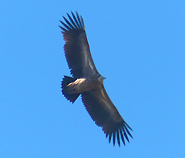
{"points": [[71, 97]]}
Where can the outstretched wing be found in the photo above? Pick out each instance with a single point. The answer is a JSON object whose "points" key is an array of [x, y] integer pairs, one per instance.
{"points": [[105, 114], [77, 51]]}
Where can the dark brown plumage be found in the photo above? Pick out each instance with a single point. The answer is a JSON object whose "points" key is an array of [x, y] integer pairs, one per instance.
{"points": [[88, 82]]}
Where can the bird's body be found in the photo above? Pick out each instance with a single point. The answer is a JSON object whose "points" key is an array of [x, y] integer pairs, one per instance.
{"points": [[88, 83], [81, 85]]}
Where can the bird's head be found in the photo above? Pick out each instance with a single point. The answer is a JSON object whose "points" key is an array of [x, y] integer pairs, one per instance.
{"points": [[101, 78]]}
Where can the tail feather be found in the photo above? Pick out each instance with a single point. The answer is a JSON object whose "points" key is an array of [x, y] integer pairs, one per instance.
{"points": [[71, 97]]}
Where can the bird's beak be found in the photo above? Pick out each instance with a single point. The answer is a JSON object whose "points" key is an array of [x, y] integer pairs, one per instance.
{"points": [[103, 78]]}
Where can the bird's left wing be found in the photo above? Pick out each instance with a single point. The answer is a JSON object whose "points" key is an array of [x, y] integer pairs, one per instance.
{"points": [[105, 114]]}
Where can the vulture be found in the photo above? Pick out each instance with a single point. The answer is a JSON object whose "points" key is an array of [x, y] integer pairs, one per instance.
{"points": [[87, 82]]}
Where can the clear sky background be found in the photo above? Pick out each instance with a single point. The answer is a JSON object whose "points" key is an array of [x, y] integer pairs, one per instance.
{"points": [[139, 46]]}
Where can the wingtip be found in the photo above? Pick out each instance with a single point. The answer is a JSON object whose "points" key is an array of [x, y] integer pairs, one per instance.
{"points": [[118, 134]]}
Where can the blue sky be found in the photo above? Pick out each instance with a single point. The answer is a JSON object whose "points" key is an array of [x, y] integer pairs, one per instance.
{"points": [[139, 46]]}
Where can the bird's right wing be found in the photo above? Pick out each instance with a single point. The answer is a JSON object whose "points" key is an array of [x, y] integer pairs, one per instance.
{"points": [[77, 51]]}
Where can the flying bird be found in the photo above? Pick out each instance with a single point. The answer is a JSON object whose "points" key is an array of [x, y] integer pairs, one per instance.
{"points": [[87, 82]]}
